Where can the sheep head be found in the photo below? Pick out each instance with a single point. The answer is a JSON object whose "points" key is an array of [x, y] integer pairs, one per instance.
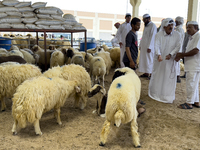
{"points": [[52, 47], [119, 118], [36, 48], [70, 53], [96, 89]]}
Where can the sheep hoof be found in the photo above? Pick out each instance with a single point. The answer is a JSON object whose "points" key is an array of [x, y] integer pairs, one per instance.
{"points": [[103, 115], [101, 144], [14, 133], [94, 111], [60, 123], [3, 110], [138, 146], [39, 133]]}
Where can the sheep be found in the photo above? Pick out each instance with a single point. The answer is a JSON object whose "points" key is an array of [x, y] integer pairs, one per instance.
{"points": [[100, 93], [28, 57], [57, 59], [12, 59], [9, 63], [97, 69], [73, 72], [75, 57], [38, 95], [106, 58], [15, 53], [12, 76], [123, 95], [78, 59], [114, 55], [37, 50]]}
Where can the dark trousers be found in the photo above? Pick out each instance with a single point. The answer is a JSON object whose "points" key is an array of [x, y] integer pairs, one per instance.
{"points": [[127, 64]]}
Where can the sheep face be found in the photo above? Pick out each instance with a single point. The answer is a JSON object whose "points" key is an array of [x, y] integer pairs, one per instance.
{"points": [[118, 73], [96, 89], [69, 53], [35, 48]]}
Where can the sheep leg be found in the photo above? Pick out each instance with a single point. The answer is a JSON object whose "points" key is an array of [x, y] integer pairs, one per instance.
{"points": [[37, 127], [104, 133], [103, 80], [3, 105], [14, 128], [57, 114], [135, 134], [76, 102]]}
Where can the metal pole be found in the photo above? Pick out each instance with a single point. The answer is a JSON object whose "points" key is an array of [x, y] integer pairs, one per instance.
{"points": [[86, 41], [45, 50], [37, 38], [71, 39]]}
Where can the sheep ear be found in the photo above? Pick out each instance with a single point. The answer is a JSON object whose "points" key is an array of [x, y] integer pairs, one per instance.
{"points": [[78, 89]]}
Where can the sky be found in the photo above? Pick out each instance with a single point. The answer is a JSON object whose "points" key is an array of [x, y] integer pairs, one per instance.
{"points": [[156, 8]]}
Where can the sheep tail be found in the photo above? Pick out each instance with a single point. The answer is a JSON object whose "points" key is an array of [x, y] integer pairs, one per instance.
{"points": [[119, 116]]}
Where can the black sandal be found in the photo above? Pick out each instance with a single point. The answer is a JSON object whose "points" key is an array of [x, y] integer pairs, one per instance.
{"points": [[184, 106]]}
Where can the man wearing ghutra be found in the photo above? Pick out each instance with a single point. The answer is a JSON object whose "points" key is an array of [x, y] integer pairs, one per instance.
{"points": [[147, 46], [179, 28], [162, 85], [192, 66], [124, 28]]}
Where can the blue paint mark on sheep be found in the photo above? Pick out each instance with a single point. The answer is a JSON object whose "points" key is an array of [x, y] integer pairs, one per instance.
{"points": [[119, 85], [12, 51], [50, 78]]}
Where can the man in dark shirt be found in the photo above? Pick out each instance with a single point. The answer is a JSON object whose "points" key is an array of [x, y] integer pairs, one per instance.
{"points": [[131, 53]]}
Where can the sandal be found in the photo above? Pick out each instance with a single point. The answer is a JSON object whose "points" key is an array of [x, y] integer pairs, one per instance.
{"points": [[141, 102], [184, 106], [143, 75], [196, 106]]}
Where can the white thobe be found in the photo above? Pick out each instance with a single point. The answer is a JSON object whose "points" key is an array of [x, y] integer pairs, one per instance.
{"points": [[162, 84], [124, 28], [147, 42], [180, 30], [192, 69], [114, 42]]}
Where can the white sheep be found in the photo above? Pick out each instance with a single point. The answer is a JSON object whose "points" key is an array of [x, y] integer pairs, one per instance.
{"points": [[123, 95], [97, 69], [114, 55], [106, 58], [78, 59], [57, 59], [11, 76], [73, 72], [15, 53], [28, 57], [100, 94], [38, 95]]}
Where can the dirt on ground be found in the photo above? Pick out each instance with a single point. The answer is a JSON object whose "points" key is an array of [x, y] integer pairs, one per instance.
{"points": [[161, 127]]}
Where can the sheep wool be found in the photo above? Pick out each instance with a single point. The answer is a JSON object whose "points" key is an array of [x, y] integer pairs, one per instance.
{"points": [[123, 95], [57, 59], [12, 76], [28, 57], [37, 96], [73, 72]]}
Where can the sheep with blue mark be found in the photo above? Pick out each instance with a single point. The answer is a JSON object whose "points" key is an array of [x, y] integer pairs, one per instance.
{"points": [[123, 96], [73, 72], [11, 76], [38, 95]]}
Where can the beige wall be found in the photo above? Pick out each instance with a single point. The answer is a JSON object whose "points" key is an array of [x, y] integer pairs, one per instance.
{"points": [[105, 25], [87, 23], [101, 15], [86, 14]]}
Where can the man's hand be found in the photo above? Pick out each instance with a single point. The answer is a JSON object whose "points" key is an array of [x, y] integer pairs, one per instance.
{"points": [[178, 56], [120, 43], [160, 58], [132, 64], [148, 50], [168, 57]]}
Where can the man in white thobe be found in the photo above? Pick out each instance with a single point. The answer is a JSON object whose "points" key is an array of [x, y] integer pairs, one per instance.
{"points": [[179, 28], [121, 36], [114, 41], [162, 85], [192, 66], [147, 46]]}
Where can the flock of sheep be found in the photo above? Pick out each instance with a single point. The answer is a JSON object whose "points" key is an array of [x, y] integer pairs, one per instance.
{"points": [[70, 73]]}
